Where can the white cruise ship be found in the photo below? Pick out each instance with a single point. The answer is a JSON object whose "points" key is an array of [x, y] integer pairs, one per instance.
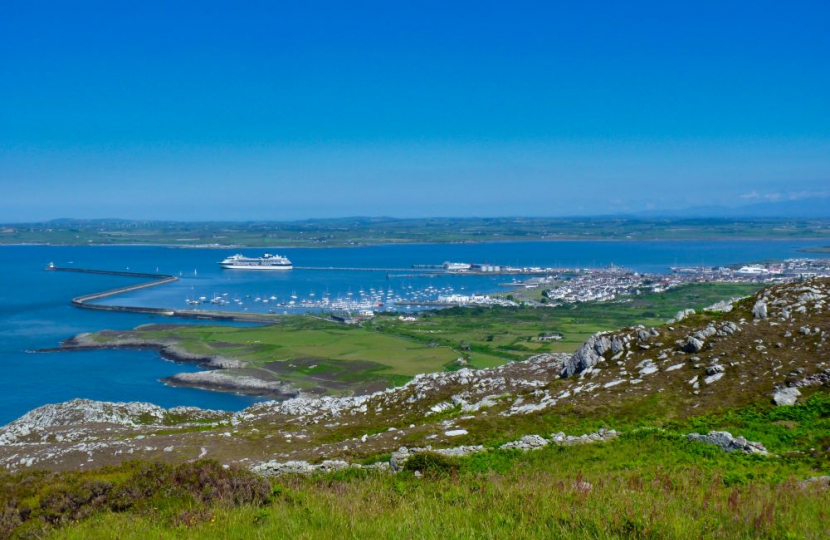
{"points": [[266, 262]]}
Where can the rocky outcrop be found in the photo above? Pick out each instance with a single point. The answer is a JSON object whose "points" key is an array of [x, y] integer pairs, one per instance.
{"points": [[275, 468], [588, 355], [682, 314], [528, 442], [217, 380], [84, 412], [726, 442], [724, 306]]}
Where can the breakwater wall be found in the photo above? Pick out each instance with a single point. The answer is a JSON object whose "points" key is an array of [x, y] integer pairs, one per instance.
{"points": [[155, 280]]}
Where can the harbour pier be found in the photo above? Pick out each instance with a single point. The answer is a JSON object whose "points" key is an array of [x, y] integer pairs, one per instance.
{"points": [[155, 280]]}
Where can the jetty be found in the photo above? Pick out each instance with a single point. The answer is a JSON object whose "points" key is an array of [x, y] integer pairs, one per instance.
{"points": [[155, 280], [357, 269]]}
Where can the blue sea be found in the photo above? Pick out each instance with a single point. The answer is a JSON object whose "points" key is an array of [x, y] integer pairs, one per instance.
{"points": [[35, 312]]}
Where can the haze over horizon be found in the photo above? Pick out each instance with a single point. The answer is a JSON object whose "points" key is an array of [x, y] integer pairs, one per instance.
{"points": [[223, 111]]}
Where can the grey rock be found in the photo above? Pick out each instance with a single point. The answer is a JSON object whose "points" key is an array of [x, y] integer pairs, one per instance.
{"points": [[602, 344], [707, 332], [586, 356], [759, 310], [526, 443], [822, 482], [724, 306], [786, 396], [728, 443], [692, 344], [682, 315], [714, 368]]}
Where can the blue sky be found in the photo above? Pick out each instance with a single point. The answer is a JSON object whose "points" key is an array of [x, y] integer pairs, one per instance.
{"points": [[283, 110]]}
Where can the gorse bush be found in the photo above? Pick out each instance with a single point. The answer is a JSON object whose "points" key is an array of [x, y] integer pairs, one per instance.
{"points": [[432, 464]]}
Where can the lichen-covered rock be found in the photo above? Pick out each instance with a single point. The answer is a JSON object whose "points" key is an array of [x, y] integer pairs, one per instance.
{"points": [[692, 344], [786, 396], [528, 442], [682, 314], [728, 443], [588, 355], [759, 310]]}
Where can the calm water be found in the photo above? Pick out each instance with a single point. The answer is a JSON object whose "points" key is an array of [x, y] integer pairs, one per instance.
{"points": [[35, 313]]}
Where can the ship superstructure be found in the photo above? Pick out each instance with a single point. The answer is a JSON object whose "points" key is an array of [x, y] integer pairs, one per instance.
{"points": [[266, 262]]}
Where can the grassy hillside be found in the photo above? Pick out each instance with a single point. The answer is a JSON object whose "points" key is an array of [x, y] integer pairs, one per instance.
{"points": [[646, 484], [651, 481]]}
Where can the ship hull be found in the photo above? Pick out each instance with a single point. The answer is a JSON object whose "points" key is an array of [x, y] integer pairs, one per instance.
{"points": [[255, 267]]}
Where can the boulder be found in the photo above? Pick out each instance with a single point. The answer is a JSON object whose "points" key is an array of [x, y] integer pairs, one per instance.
{"points": [[786, 396], [692, 344], [728, 443], [759, 310]]}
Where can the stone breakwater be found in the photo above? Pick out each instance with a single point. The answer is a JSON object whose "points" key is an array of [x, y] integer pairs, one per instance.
{"points": [[86, 300]]}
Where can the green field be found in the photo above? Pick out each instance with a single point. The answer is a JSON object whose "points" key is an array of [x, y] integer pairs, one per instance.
{"points": [[315, 354], [512, 333]]}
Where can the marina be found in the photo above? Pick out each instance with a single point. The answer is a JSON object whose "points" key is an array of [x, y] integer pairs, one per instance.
{"points": [[558, 286]]}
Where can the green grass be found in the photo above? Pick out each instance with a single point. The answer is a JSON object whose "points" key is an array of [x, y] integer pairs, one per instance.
{"points": [[305, 337], [645, 484], [510, 333]]}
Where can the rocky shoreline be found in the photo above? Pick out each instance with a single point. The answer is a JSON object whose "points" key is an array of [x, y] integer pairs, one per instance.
{"points": [[216, 377]]}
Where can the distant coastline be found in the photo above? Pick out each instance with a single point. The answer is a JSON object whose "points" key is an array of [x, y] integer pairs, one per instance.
{"points": [[819, 249], [360, 232]]}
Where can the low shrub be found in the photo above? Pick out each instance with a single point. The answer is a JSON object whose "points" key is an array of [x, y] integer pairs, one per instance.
{"points": [[59, 499], [432, 464]]}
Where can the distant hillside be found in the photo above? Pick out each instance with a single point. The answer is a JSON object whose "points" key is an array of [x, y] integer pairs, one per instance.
{"points": [[813, 208]]}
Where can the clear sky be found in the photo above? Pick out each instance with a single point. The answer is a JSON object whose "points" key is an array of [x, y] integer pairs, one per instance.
{"points": [[283, 110]]}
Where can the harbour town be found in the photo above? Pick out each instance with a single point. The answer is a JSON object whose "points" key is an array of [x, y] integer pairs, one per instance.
{"points": [[546, 287]]}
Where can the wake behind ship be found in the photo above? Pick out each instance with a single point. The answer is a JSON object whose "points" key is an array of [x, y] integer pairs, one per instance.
{"points": [[266, 262]]}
